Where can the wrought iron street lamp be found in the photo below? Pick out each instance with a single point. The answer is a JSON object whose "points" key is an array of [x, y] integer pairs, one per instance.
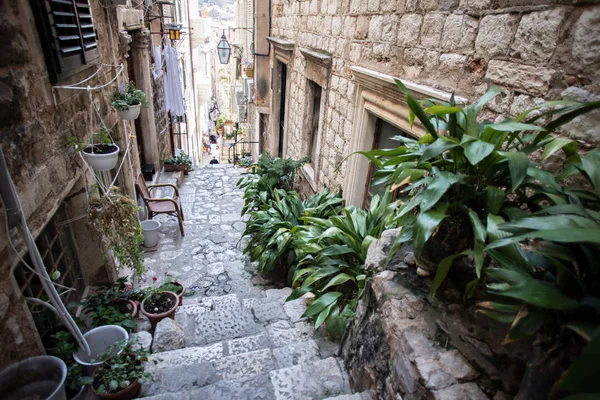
{"points": [[224, 50]]}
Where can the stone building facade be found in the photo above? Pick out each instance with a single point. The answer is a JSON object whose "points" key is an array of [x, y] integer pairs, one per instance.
{"points": [[348, 52], [36, 121]]}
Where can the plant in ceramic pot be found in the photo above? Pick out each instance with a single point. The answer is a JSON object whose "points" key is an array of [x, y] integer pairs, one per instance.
{"points": [[175, 287], [122, 375], [170, 164], [128, 102], [184, 162], [111, 306], [159, 305], [102, 154]]}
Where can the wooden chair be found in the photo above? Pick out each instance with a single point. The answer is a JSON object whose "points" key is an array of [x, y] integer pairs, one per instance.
{"points": [[160, 205]]}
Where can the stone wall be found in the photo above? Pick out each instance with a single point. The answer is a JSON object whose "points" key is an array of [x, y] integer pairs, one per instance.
{"points": [[535, 50], [33, 135], [403, 343]]}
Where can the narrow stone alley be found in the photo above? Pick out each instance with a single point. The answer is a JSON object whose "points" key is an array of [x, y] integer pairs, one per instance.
{"points": [[234, 337]]}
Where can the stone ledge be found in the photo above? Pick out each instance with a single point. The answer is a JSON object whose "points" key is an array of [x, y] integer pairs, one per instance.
{"points": [[316, 56], [281, 43]]}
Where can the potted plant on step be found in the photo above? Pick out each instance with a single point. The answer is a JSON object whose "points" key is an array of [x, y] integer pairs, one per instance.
{"points": [[159, 305], [102, 154], [175, 287], [76, 381], [170, 164], [128, 103], [122, 375]]}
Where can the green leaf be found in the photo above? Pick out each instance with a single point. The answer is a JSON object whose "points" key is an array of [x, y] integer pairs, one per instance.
{"points": [[324, 314], [480, 235], [442, 110], [511, 126], [425, 225], [442, 272], [441, 145], [517, 164], [415, 107], [582, 376], [321, 303], [475, 149], [494, 197], [526, 323], [531, 290], [113, 385], [591, 165], [569, 146], [338, 280], [436, 189]]}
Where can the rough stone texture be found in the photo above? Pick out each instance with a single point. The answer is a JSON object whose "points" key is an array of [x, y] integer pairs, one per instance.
{"points": [[586, 41], [459, 33], [529, 79], [401, 344], [322, 379], [536, 37], [168, 335], [408, 31], [495, 34], [431, 31], [241, 336], [144, 339]]}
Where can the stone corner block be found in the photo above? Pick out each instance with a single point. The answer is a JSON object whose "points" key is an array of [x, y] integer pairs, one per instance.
{"points": [[525, 78], [168, 335]]}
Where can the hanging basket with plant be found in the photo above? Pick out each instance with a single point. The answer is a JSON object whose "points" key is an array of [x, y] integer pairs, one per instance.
{"points": [[128, 102], [102, 154], [114, 218]]}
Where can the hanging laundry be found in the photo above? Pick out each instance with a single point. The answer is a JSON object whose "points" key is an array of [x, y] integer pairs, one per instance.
{"points": [[174, 101], [158, 62]]}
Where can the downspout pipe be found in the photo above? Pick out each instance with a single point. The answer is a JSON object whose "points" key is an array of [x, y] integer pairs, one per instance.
{"points": [[17, 218]]}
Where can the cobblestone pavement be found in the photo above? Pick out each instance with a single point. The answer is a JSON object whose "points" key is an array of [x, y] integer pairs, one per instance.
{"points": [[234, 337]]}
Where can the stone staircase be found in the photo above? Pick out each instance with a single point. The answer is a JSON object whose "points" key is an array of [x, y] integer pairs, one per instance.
{"points": [[250, 348], [234, 337]]}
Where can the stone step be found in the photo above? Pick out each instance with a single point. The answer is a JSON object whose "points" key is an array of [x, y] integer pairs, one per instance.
{"points": [[355, 396], [317, 380]]}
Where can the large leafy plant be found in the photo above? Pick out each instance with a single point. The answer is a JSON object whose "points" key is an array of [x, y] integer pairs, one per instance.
{"points": [[331, 253], [464, 170], [131, 96], [271, 229]]}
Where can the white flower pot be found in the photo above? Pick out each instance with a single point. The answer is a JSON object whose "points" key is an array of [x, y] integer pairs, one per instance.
{"points": [[150, 228], [99, 339], [40, 377], [102, 161], [131, 113]]}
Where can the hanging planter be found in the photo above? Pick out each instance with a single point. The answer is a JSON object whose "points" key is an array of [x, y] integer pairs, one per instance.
{"points": [[129, 101], [130, 113], [102, 158]]}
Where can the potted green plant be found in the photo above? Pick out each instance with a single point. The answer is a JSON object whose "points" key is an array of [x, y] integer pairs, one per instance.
{"points": [[184, 162], [159, 305], [121, 376], [175, 287], [110, 305], [102, 154], [114, 218], [128, 103], [170, 164]]}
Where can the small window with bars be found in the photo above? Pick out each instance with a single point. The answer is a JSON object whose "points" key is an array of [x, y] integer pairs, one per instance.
{"points": [[57, 247], [67, 34]]}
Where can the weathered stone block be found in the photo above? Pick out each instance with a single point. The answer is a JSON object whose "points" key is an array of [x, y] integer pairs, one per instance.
{"points": [[586, 40], [362, 27], [409, 29], [495, 34], [448, 5], [459, 33], [461, 391], [375, 28], [452, 64], [528, 79], [168, 335], [431, 31], [536, 37]]}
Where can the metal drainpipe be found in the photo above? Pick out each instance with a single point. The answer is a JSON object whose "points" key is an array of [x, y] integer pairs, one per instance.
{"points": [[15, 218]]}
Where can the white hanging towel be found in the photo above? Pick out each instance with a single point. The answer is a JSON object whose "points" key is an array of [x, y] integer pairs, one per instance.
{"points": [[178, 106], [166, 80], [157, 61]]}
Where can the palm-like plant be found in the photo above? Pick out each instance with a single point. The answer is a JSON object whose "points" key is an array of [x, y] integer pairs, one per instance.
{"points": [[465, 170]]}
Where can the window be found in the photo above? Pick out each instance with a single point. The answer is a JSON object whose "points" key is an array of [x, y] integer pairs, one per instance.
{"points": [[384, 132], [67, 35], [312, 118], [58, 251]]}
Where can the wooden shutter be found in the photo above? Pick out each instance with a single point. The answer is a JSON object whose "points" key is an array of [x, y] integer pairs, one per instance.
{"points": [[67, 34]]}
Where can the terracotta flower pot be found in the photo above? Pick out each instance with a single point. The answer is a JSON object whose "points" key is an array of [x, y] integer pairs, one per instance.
{"points": [[134, 306], [128, 393], [180, 295], [170, 167], [156, 318]]}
